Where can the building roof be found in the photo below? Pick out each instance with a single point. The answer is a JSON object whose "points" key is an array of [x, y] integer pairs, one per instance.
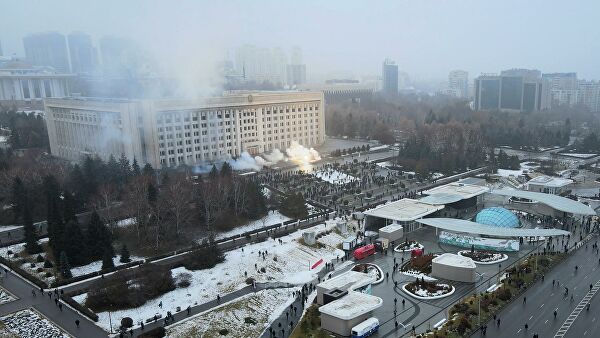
{"points": [[498, 217], [472, 181], [548, 181], [454, 260], [348, 280], [441, 198], [391, 228], [403, 210], [351, 306], [458, 190], [463, 225], [554, 201]]}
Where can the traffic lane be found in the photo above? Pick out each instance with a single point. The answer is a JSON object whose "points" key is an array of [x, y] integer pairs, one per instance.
{"points": [[543, 299], [586, 324]]}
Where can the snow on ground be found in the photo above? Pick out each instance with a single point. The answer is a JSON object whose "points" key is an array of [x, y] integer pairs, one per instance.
{"points": [[332, 239], [30, 324], [334, 177], [424, 293], [272, 218], [125, 222], [436, 176], [525, 167], [97, 265], [382, 147], [5, 297], [288, 262], [9, 227], [261, 308], [18, 248], [418, 275], [578, 155]]}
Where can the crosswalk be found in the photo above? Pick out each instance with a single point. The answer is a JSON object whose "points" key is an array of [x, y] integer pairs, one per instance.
{"points": [[573, 316]]}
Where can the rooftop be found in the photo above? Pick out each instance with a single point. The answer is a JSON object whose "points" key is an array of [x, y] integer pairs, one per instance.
{"points": [[549, 181], [391, 228], [459, 190], [404, 210], [554, 201], [454, 260], [348, 280], [465, 226], [351, 306]]}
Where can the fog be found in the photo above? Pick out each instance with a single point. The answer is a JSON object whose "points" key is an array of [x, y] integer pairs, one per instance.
{"points": [[425, 38]]}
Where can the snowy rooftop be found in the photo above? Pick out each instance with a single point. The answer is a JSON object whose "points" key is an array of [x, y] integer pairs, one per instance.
{"points": [[461, 190], [404, 210], [549, 181], [348, 280], [454, 260], [466, 226], [554, 201], [391, 228], [351, 306]]}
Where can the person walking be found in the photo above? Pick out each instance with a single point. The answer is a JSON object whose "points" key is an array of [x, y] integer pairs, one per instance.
{"points": [[498, 322], [524, 300], [33, 292], [60, 306], [555, 314], [77, 323]]}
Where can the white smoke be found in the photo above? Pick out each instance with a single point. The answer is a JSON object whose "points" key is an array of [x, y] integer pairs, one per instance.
{"points": [[296, 153]]}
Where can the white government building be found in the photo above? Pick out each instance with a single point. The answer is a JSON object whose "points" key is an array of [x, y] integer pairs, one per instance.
{"points": [[172, 132]]}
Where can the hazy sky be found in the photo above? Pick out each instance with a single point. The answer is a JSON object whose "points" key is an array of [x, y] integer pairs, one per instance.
{"points": [[426, 38]]}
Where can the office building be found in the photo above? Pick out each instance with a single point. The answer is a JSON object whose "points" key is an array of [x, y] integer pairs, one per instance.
{"points": [[390, 77], [337, 92], [589, 95], [296, 75], [47, 49], [458, 83], [260, 65], [173, 132], [82, 53], [563, 88], [515, 90], [22, 85]]}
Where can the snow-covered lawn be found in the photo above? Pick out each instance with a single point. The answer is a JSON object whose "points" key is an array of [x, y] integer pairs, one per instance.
{"points": [[16, 249], [30, 324], [245, 317], [5, 297], [524, 168], [9, 227], [422, 293], [334, 177], [418, 275], [97, 265], [272, 218], [408, 247], [484, 257], [288, 262], [333, 239], [578, 155]]}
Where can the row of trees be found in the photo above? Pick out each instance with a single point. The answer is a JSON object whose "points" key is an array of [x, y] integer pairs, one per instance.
{"points": [[27, 130], [342, 152]]}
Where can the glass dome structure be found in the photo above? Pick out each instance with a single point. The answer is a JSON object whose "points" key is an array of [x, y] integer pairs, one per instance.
{"points": [[498, 217]]}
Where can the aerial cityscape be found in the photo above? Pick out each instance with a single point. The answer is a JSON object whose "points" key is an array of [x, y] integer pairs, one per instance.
{"points": [[303, 169]]}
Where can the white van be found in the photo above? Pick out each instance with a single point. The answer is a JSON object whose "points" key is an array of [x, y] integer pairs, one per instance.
{"points": [[366, 328]]}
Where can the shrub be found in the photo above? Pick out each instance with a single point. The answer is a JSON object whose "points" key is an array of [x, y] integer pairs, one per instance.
{"points": [[9, 252], [40, 270], [130, 288], [48, 264], [249, 280], [504, 294], [250, 320], [39, 259], [126, 322], [223, 332], [463, 325], [263, 270], [205, 257], [184, 280], [48, 274]]}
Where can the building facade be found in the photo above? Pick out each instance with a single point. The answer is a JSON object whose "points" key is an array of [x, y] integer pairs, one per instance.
{"points": [[82, 52], [167, 133], [47, 49], [563, 88], [390, 77], [515, 90], [24, 86], [342, 92], [589, 95], [458, 83]]}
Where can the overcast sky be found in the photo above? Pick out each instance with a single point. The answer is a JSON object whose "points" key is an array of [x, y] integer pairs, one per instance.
{"points": [[425, 38]]}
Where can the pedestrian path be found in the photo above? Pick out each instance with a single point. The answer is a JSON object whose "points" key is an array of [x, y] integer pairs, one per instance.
{"points": [[573, 316]]}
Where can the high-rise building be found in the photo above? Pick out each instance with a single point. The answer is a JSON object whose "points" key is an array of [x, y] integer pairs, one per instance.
{"points": [[1, 54], [173, 132], [589, 95], [296, 74], [517, 90], [390, 77], [458, 83], [121, 57], [261, 64], [82, 52], [564, 88], [47, 49]]}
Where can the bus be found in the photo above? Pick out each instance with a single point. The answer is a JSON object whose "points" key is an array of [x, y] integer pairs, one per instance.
{"points": [[366, 328], [364, 251]]}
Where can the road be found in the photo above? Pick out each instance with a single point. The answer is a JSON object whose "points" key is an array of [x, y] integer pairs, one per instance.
{"points": [[543, 299]]}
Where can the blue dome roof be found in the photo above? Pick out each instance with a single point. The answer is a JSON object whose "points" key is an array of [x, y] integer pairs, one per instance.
{"points": [[498, 217]]}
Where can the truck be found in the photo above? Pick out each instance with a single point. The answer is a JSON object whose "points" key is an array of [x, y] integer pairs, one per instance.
{"points": [[364, 251], [366, 328]]}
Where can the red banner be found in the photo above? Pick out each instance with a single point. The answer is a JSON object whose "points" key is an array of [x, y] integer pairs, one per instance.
{"points": [[317, 263]]}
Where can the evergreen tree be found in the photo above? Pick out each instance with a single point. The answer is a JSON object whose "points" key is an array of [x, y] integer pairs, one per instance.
{"points": [[135, 167], [152, 194], [113, 170], [148, 170], [226, 170], [31, 241], [107, 260], [65, 267], [294, 206], [213, 172], [125, 258], [19, 197], [75, 244], [98, 238], [124, 168], [69, 207]]}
